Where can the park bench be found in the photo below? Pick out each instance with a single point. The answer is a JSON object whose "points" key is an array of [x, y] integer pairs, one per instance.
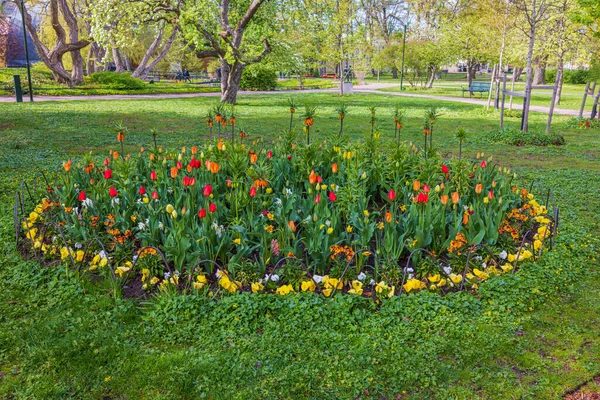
{"points": [[480, 87]]}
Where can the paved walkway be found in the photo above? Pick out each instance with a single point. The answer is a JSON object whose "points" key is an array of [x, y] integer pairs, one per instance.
{"points": [[372, 88]]}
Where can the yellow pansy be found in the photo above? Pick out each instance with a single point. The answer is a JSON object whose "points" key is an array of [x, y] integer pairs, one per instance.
{"points": [[145, 274], [79, 255], [434, 278], [121, 270], [480, 274], [537, 245], [455, 278], [257, 287], [285, 289], [356, 288], [413, 284], [308, 286], [506, 267]]}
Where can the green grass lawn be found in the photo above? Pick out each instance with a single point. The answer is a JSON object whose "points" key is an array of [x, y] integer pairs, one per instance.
{"points": [[531, 335]]}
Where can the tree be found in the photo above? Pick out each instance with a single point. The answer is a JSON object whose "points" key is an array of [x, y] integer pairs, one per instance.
{"points": [[235, 32], [66, 41]]}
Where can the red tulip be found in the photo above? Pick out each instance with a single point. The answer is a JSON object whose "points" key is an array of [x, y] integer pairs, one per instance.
{"points": [[212, 207], [153, 175], [332, 197], [269, 154], [142, 190], [491, 194], [445, 169], [207, 190], [82, 196], [106, 161], [192, 181], [290, 158], [391, 195], [113, 192], [252, 191], [108, 174], [483, 164], [179, 165], [426, 188], [202, 213], [318, 198], [319, 179], [422, 198], [154, 195], [186, 181]]}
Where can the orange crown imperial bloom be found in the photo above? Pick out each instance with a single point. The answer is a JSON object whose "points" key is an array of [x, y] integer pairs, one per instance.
{"points": [[416, 186], [478, 188], [426, 131], [174, 172], [334, 168], [253, 158], [444, 199], [399, 126], [115, 155], [292, 110], [232, 121], [120, 136], [341, 116]]}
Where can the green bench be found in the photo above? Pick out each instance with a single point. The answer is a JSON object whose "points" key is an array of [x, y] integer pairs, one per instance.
{"points": [[477, 87]]}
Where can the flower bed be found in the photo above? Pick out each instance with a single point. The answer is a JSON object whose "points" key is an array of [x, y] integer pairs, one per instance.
{"points": [[286, 217]]}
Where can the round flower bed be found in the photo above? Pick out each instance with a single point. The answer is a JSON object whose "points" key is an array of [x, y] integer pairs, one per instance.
{"points": [[285, 217]]}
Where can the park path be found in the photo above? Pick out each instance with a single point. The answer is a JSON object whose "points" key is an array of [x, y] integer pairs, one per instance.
{"points": [[372, 88]]}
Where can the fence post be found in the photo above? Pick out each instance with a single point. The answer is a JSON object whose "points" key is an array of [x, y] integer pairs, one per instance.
{"points": [[18, 91]]}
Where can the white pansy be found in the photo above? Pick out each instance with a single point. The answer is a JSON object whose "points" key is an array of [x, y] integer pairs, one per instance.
{"points": [[362, 276], [317, 278], [78, 245], [372, 282], [275, 278], [447, 270], [87, 203], [484, 265], [503, 254]]}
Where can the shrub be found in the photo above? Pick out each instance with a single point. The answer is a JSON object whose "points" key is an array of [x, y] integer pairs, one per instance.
{"points": [[258, 77], [115, 80], [515, 137], [571, 76]]}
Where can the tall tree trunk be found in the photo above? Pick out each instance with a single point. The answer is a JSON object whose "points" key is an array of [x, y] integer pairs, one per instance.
{"points": [[539, 71], [431, 77], [529, 80], [146, 65], [471, 69], [559, 71], [231, 75], [76, 58], [395, 72], [119, 67]]}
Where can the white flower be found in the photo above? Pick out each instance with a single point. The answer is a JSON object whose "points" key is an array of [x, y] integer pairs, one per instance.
{"points": [[409, 269], [103, 254], [161, 226], [141, 226], [447, 270], [275, 278], [328, 223], [139, 201], [76, 209], [87, 203], [372, 282], [167, 275], [288, 192], [317, 278], [503, 254], [362, 276], [484, 265], [78, 245], [134, 258], [115, 201], [478, 258], [176, 273], [410, 276], [278, 203]]}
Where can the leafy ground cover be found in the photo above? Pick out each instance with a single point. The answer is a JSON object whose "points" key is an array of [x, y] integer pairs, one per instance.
{"points": [[532, 334]]}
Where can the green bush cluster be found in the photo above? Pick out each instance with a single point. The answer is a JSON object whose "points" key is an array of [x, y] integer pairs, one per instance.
{"points": [[515, 137], [571, 76], [114, 80], [258, 77]]}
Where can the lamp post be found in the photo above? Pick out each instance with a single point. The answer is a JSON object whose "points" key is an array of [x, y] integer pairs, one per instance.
{"points": [[26, 51]]}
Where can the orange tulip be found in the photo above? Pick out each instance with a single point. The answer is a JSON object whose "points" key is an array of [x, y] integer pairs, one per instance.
{"points": [[444, 199], [214, 167], [416, 186], [292, 226], [67, 165], [455, 198], [194, 150], [220, 145], [478, 188], [312, 178], [151, 156], [388, 217], [120, 136], [115, 155], [253, 158], [465, 219], [174, 172], [189, 169], [334, 168]]}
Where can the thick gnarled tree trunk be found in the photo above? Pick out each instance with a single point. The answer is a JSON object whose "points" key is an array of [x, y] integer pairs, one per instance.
{"points": [[60, 11], [146, 65]]}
